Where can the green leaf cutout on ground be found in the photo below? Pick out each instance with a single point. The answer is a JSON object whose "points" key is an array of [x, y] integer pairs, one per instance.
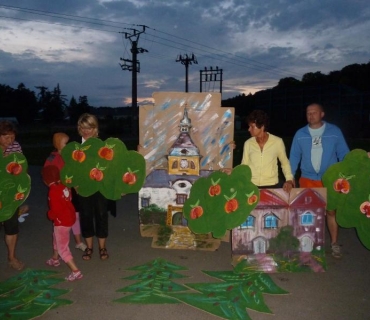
{"points": [[228, 299], [105, 166], [348, 192], [15, 184], [155, 281], [28, 295], [221, 202]]}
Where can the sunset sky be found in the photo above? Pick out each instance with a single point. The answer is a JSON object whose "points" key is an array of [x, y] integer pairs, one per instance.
{"points": [[79, 43]]}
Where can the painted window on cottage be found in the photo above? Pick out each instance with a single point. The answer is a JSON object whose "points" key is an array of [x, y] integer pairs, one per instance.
{"points": [[307, 200], [175, 164], [271, 221], [145, 202], [181, 198], [249, 223], [307, 219], [192, 165]]}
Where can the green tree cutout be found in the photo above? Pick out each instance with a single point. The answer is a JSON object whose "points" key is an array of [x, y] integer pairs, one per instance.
{"points": [[15, 184], [348, 190], [155, 281], [228, 299], [221, 201], [105, 166], [29, 294]]}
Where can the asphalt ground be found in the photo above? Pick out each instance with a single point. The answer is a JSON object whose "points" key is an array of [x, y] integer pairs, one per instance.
{"points": [[342, 292]]}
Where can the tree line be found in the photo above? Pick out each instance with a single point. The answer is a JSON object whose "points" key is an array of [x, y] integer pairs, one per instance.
{"points": [[345, 95], [290, 96], [47, 105]]}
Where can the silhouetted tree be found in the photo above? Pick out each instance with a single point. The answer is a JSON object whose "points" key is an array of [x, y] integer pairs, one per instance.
{"points": [[289, 82], [25, 104], [314, 78], [20, 103], [52, 104]]}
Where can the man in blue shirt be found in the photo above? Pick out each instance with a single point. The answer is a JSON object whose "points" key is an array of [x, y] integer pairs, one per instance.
{"points": [[315, 148]]}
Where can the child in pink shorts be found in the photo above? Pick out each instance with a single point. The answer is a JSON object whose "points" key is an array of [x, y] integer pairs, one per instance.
{"points": [[60, 139], [63, 214]]}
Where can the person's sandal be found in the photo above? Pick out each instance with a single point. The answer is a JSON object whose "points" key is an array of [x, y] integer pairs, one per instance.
{"points": [[87, 255], [103, 254]]}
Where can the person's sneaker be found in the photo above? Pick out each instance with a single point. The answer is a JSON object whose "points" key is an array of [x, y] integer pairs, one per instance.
{"points": [[53, 263], [81, 246], [335, 250], [74, 275]]}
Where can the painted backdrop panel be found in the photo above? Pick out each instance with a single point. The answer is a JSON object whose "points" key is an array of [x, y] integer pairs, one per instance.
{"points": [[212, 128]]}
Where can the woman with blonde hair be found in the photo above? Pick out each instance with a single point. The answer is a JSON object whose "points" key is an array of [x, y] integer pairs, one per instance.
{"points": [[93, 209]]}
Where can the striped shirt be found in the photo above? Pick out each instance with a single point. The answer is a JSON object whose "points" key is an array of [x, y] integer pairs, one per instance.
{"points": [[14, 147]]}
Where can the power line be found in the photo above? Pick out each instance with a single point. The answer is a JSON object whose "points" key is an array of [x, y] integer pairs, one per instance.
{"points": [[252, 64], [57, 23], [228, 53]]}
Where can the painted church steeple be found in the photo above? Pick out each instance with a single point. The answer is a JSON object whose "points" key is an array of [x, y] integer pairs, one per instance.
{"points": [[183, 156]]}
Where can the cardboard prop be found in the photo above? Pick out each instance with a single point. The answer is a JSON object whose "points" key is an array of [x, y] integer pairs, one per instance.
{"points": [[348, 184], [221, 202], [30, 294], [183, 136], [228, 299], [15, 184], [284, 233], [104, 166]]}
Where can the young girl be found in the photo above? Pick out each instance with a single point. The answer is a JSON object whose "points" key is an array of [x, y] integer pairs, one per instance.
{"points": [[60, 140], [63, 215]]}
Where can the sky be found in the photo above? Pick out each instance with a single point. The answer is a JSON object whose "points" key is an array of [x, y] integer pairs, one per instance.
{"points": [[79, 44]]}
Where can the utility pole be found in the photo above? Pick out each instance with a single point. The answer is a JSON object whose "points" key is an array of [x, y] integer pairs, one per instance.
{"points": [[133, 65], [209, 75], [186, 61]]}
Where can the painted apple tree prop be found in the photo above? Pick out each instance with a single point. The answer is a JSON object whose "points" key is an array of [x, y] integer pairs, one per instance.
{"points": [[348, 192], [15, 184], [221, 201], [105, 166]]}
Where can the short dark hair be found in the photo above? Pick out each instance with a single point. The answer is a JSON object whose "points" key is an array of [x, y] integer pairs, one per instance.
{"points": [[321, 107], [7, 127], [260, 118]]}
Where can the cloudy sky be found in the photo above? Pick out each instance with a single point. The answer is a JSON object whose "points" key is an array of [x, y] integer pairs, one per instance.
{"points": [[79, 44]]}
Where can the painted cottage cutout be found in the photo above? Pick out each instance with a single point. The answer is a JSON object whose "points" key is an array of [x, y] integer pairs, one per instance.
{"points": [[284, 232]]}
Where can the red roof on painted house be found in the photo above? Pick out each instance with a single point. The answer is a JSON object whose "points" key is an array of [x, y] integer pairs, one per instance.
{"points": [[308, 197], [271, 200]]}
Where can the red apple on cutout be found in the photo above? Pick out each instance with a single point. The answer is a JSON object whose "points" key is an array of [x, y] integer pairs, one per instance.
{"points": [[78, 155], [106, 152], [129, 177], [96, 174], [14, 168]]}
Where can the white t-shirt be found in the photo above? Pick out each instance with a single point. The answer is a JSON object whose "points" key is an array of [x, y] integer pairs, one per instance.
{"points": [[316, 149]]}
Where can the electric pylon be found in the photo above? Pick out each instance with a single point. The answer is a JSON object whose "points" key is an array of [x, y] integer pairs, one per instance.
{"points": [[186, 61]]}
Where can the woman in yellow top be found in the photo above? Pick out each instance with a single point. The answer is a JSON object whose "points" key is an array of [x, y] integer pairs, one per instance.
{"points": [[262, 151]]}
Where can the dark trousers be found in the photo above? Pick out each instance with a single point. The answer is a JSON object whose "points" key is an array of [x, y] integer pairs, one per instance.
{"points": [[11, 226], [93, 216], [269, 187]]}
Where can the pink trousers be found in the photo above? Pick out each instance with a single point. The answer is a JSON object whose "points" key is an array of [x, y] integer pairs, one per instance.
{"points": [[76, 228], [61, 242]]}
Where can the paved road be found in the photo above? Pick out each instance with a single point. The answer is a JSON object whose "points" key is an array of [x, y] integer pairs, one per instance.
{"points": [[340, 293]]}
